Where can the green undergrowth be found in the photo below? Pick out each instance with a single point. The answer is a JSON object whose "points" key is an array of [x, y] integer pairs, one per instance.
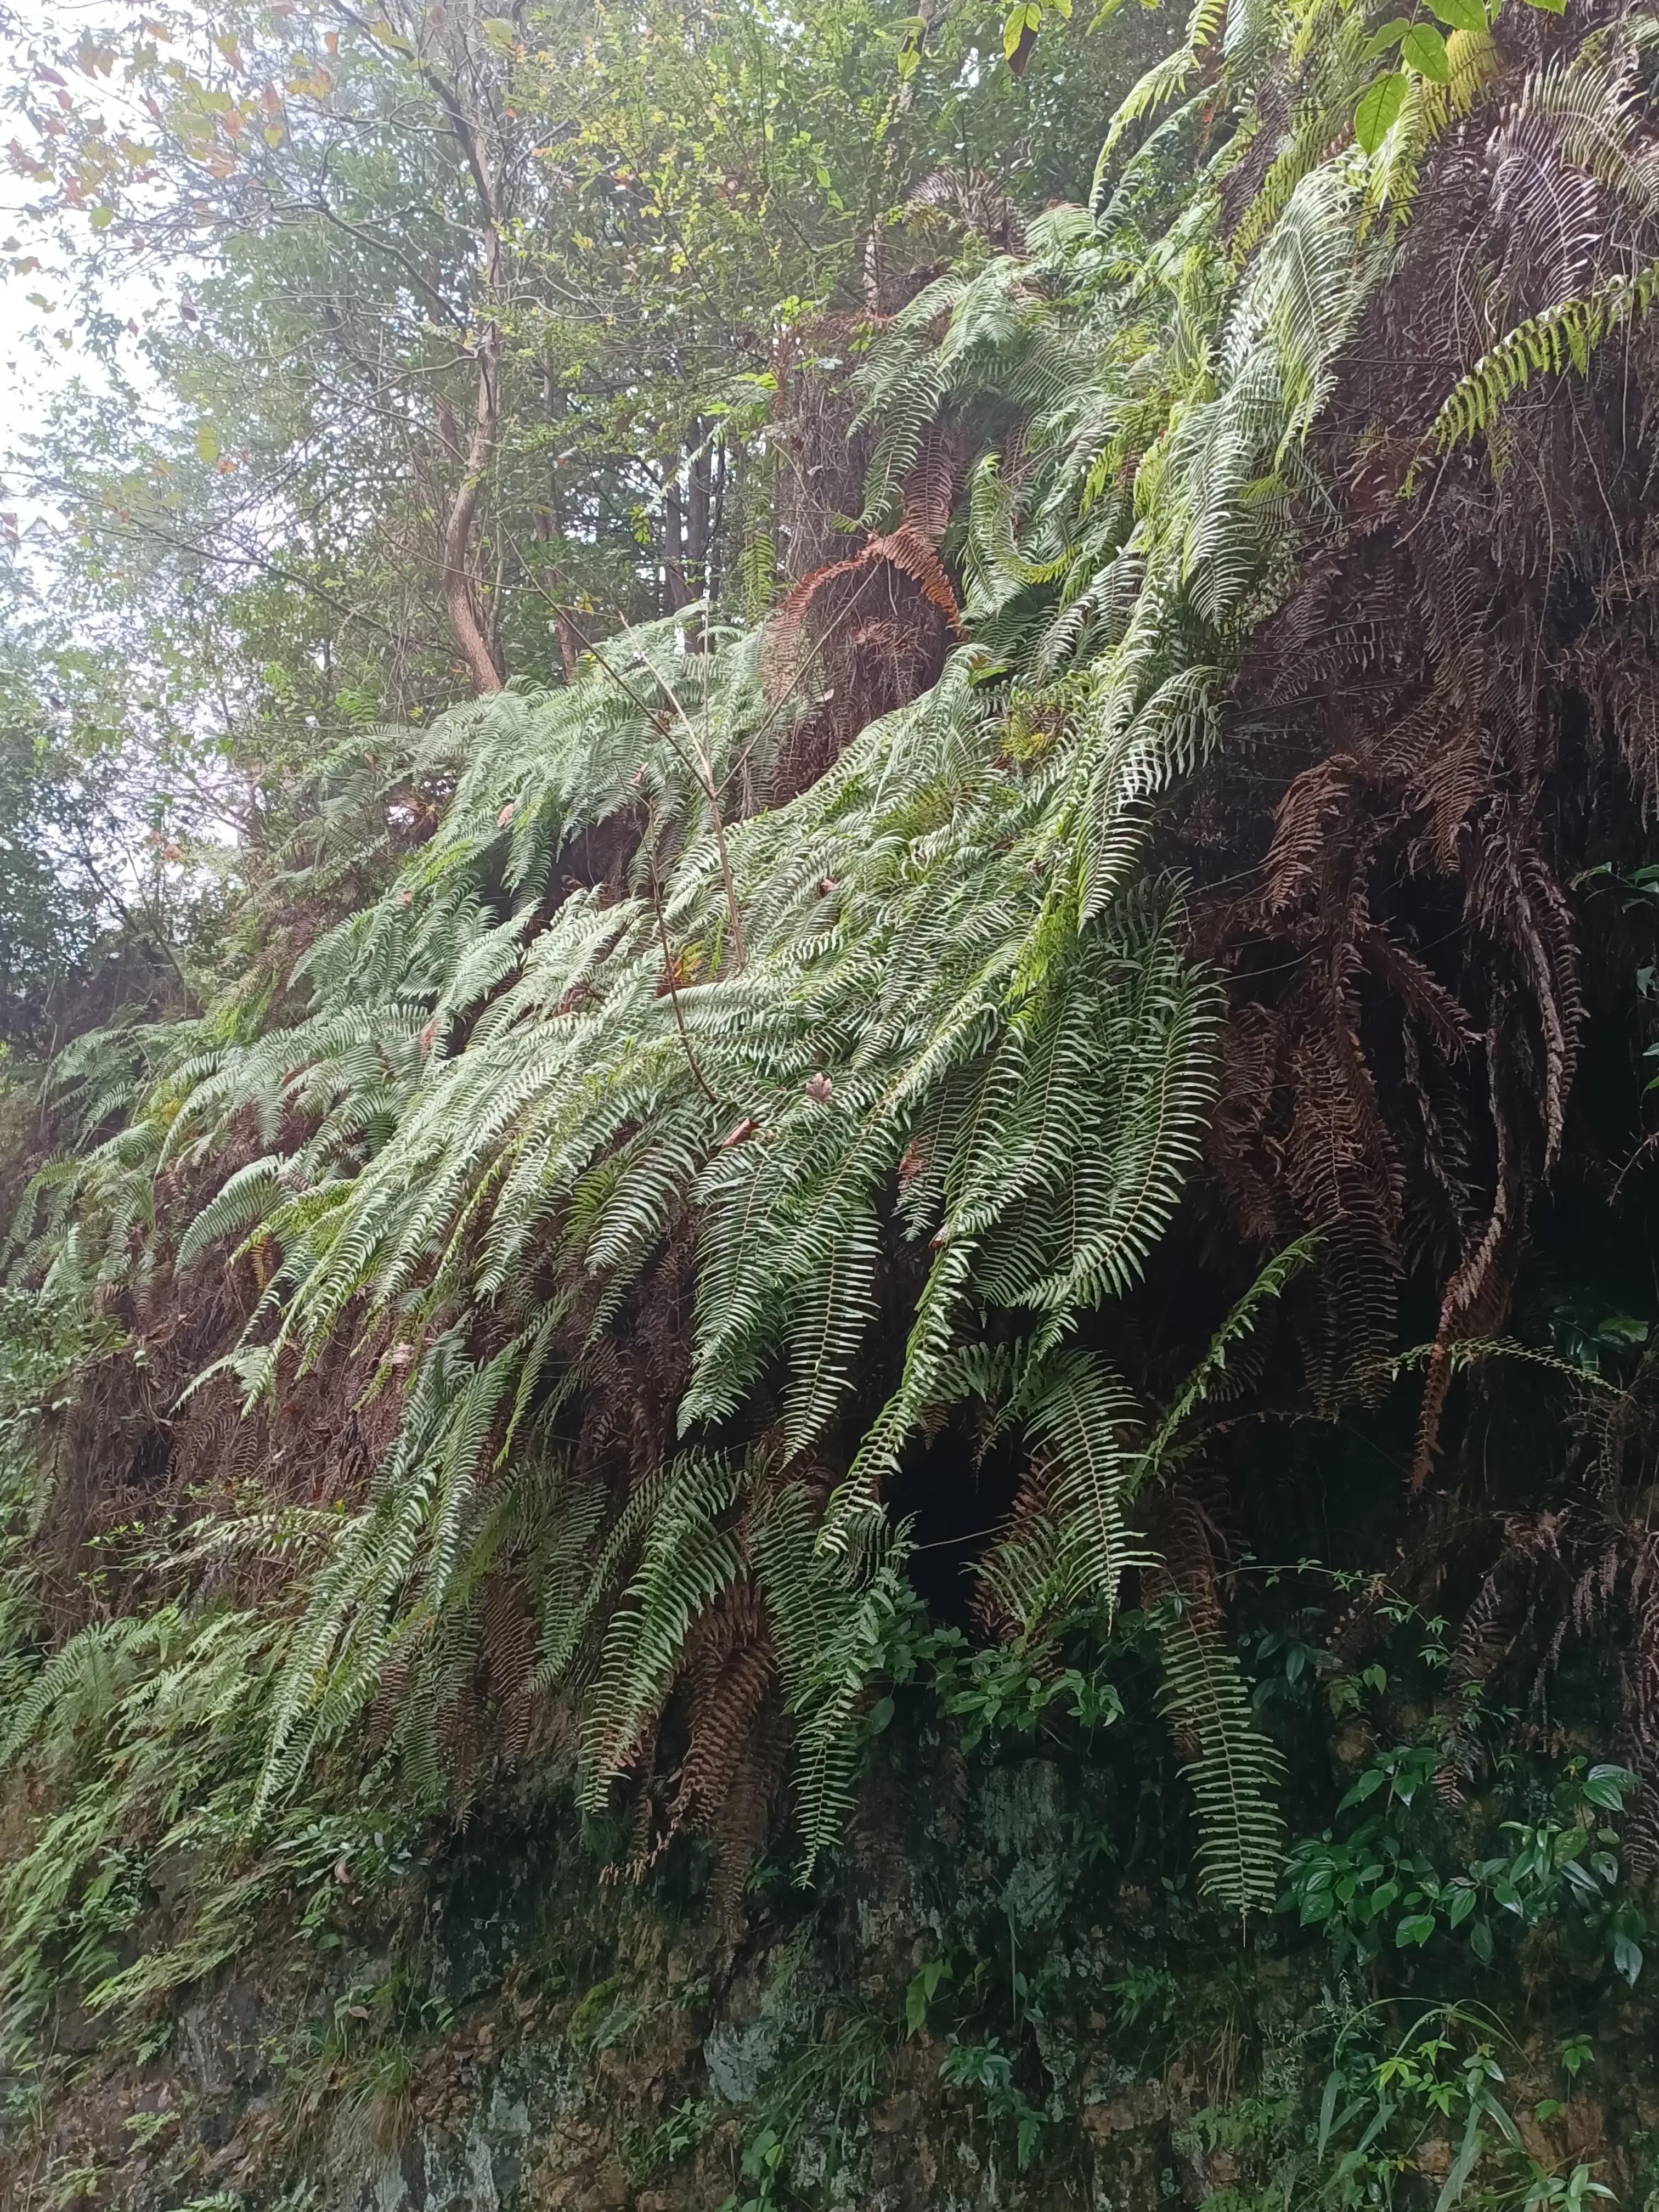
{"points": [[131, 1867], [1416, 2022]]}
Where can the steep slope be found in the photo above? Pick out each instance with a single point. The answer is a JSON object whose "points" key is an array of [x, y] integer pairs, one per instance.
{"points": [[1057, 1048]]}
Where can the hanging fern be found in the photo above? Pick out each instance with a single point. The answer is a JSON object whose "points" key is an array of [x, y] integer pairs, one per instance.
{"points": [[639, 1196], [1563, 336], [830, 1622], [687, 1559], [1235, 1772]]}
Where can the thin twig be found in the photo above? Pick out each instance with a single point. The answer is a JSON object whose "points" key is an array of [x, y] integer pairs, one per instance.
{"points": [[673, 993], [697, 763], [706, 777], [800, 676], [700, 765]]}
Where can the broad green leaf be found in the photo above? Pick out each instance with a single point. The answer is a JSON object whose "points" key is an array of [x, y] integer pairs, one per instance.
{"points": [[1461, 15], [1386, 35], [1369, 1782], [1605, 1790], [1023, 15], [1424, 48], [1607, 1784], [1379, 104], [207, 446]]}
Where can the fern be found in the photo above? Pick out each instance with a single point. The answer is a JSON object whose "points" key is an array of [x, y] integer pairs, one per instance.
{"points": [[1163, 1447], [244, 1201], [527, 1126], [1234, 1773], [1561, 338], [1077, 1414], [686, 1561], [829, 1623], [1166, 77]]}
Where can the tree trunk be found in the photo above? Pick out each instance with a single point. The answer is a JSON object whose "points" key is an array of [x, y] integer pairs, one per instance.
{"points": [[466, 598], [673, 554], [697, 514], [550, 524]]}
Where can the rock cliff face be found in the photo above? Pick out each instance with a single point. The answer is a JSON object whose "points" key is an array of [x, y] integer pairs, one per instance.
{"points": [[978, 2011]]}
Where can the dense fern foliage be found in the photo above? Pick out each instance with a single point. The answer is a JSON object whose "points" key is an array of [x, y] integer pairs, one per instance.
{"points": [[1094, 978]]}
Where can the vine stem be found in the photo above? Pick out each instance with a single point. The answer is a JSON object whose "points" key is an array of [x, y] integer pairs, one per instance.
{"points": [[673, 993]]}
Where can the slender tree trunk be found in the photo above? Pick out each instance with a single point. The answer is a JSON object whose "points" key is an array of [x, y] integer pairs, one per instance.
{"points": [[550, 524], [713, 579], [673, 558], [697, 513], [466, 599]]}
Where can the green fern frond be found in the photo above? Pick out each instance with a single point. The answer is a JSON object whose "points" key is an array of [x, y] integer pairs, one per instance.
{"points": [[830, 1618], [1562, 337], [687, 1559], [1165, 79], [1235, 1772], [1078, 1416], [1163, 1447], [243, 1201]]}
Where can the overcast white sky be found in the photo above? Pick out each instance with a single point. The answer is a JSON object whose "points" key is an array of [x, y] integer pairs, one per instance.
{"points": [[25, 370], [35, 366]]}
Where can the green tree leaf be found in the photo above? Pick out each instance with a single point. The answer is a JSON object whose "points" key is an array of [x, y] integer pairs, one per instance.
{"points": [[1025, 15], [1606, 1786], [1379, 105], [1461, 15], [1387, 36], [1425, 49]]}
